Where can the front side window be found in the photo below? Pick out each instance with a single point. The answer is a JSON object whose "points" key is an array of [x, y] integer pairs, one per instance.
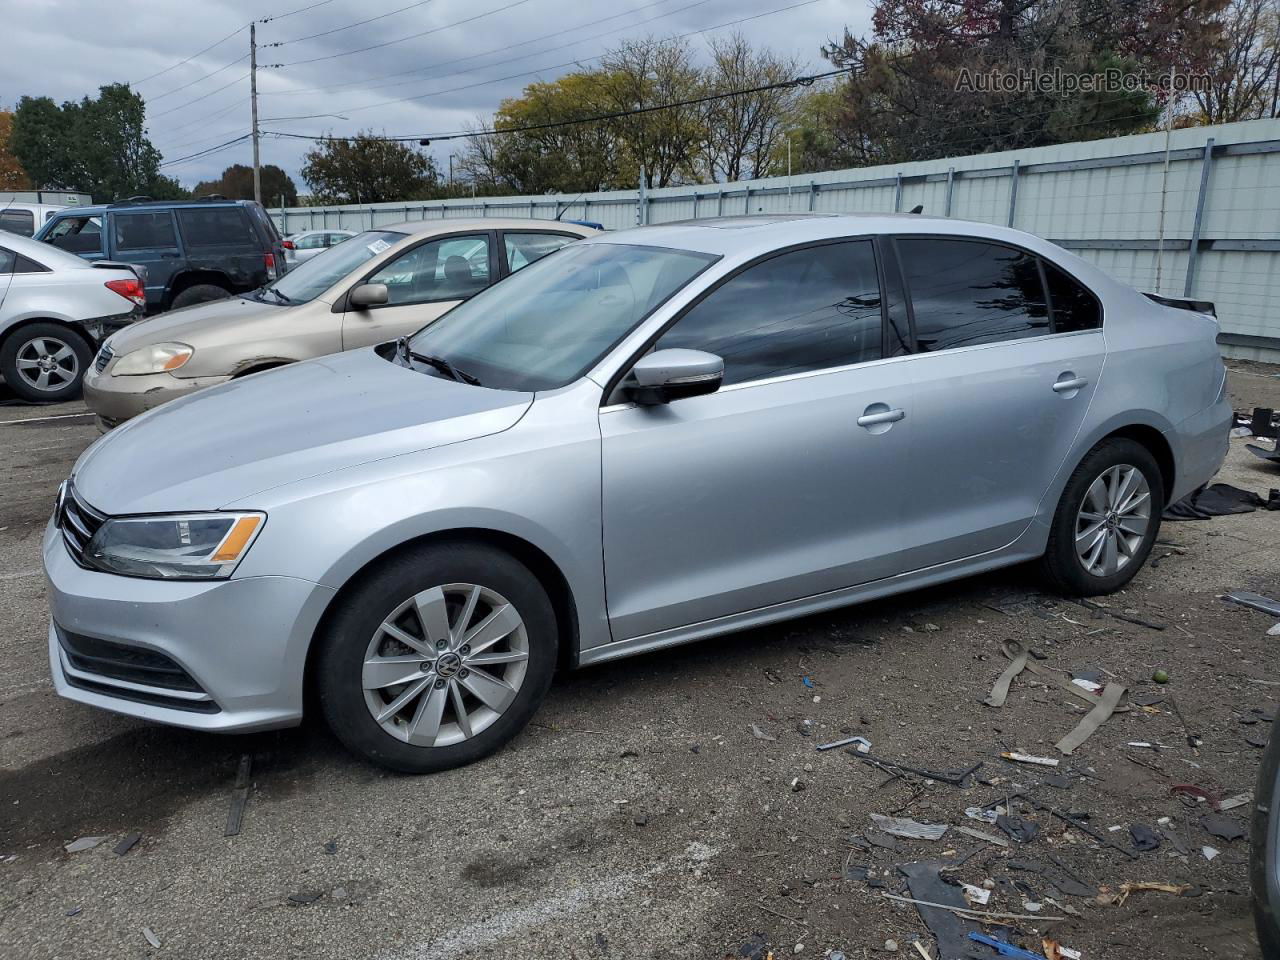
{"points": [[965, 292], [453, 268], [312, 241], [524, 248], [77, 234], [21, 222], [805, 310], [548, 324], [216, 227], [145, 231], [333, 239], [1074, 307], [313, 277]]}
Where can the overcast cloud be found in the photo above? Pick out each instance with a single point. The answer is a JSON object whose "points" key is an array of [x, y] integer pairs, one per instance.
{"points": [[470, 55]]}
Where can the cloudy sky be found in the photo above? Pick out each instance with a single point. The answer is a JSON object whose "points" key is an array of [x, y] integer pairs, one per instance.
{"points": [[416, 68]]}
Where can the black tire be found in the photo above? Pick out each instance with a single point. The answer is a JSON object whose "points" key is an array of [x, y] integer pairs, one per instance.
{"points": [[199, 293], [346, 638], [1061, 567], [64, 382]]}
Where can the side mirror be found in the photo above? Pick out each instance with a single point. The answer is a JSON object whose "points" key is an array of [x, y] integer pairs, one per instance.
{"points": [[667, 375], [367, 295]]}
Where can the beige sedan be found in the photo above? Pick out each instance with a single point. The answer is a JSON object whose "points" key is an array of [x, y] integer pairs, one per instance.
{"points": [[379, 285]]}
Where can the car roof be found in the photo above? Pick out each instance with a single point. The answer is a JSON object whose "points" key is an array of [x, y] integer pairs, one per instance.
{"points": [[760, 233], [486, 223], [99, 209]]}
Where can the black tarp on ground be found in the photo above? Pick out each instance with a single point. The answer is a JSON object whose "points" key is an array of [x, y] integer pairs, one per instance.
{"points": [[1214, 501]]}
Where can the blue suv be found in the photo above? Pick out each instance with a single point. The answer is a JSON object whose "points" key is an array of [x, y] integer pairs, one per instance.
{"points": [[191, 250]]}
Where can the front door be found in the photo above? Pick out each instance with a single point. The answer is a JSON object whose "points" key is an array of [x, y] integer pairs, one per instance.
{"points": [[422, 283], [785, 483], [147, 238], [1002, 385]]}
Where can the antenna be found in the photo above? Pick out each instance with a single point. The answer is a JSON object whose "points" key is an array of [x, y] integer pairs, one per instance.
{"points": [[570, 204], [918, 208]]}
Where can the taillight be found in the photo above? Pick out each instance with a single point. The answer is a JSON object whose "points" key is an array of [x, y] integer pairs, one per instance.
{"points": [[287, 244], [130, 289], [269, 259]]}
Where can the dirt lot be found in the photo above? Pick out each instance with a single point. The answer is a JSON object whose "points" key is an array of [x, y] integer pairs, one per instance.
{"points": [[640, 816]]}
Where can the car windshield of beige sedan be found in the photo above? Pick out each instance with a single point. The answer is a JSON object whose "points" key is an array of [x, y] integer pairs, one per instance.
{"points": [[313, 277], [548, 324]]}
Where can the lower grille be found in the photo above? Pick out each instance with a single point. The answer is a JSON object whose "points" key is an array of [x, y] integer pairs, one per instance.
{"points": [[128, 664]]}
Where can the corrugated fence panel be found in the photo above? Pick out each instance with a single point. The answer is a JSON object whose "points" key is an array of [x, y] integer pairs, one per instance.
{"points": [[1110, 201]]}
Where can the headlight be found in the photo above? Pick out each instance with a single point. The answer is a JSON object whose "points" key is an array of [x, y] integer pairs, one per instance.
{"points": [[197, 546], [157, 358]]}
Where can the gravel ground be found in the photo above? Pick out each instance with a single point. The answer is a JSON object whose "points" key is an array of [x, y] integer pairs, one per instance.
{"points": [[640, 815]]}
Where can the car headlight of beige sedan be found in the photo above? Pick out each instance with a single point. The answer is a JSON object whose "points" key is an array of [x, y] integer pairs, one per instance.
{"points": [[156, 358]]}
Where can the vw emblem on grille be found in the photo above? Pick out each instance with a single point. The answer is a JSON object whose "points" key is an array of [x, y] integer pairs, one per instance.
{"points": [[447, 664]]}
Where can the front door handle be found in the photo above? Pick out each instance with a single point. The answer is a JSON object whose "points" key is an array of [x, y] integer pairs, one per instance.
{"points": [[884, 415], [1067, 386]]}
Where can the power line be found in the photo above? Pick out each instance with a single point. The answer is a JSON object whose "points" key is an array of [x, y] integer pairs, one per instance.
{"points": [[190, 58], [205, 117], [388, 43], [281, 16], [183, 106], [226, 66], [615, 115], [361, 84], [358, 23], [515, 76], [204, 153]]}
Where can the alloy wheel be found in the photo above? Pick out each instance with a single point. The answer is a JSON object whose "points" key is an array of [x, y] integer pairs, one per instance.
{"points": [[445, 664], [1113, 520], [47, 364]]}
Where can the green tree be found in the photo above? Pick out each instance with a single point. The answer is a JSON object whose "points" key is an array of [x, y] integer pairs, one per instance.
{"points": [[236, 183], [368, 169], [97, 145]]}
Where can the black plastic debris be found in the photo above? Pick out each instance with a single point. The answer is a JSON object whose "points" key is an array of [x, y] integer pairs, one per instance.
{"points": [[1024, 831], [331, 847], [127, 844], [1254, 601], [1216, 500], [925, 881], [1144, 838], [757, 948], [304, 897], [1225, 828]]}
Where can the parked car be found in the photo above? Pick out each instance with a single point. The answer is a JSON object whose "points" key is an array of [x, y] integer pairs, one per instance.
{"points": [[1264, 850], [193, 250], [384, 284], [17, 216], [643, 439], [55, 309], [299, 247]]}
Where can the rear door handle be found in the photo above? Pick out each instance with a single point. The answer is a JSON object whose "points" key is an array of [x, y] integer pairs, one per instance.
{"points": [[1065, 386], [884, 416]]}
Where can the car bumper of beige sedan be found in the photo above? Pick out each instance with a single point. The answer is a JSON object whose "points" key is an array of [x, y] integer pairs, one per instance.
{"points": [[116, 399]]}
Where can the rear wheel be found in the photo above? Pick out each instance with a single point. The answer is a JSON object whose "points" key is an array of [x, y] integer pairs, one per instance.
{"points": [[1107, 520], [44, 362], [199, 293], [437, 658]]}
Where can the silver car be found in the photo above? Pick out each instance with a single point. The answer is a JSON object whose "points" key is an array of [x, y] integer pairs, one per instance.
{"points": [[55, 311], [300, 247], [643, 439]]}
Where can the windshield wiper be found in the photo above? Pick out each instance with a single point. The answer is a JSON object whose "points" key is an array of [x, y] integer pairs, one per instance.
{"points": [[278, 295], [439, 363]]}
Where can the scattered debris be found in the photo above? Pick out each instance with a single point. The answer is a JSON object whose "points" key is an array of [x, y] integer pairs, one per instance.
{"points": [[1004, 948], [1274, 631], [1209, 852], [127, 844], [863, 744], [83, 843], [1255, 601], [239, 797], [981, 814], [1118, 899], [911, 829], [1160, 676], [973, 911], [331, 847], [979, 835], [878, 838], [73, 912], [1053, 950], [303, 897], [1086, 828], [761, 735], [1262, 453], [978, 895], [807, 682], [1126, 617], [937, 902], [1093, 719], [920, 949], [1225, 828], [151, 937], [1239, 800], [1144, 838], [1090, 685], [1024, 831], [1199, 794], [1028, 758]]}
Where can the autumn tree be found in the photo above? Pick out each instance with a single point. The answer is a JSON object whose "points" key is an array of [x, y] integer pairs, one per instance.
{"points": [[236, 183], [369, 169], [1244, 69], [12, 176]]}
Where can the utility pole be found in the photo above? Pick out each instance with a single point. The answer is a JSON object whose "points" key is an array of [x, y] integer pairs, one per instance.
{"points": [[253, 99]]}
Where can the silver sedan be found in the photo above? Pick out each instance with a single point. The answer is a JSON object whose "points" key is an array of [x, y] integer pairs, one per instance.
{"points": [[643, 439], [299, 247]]}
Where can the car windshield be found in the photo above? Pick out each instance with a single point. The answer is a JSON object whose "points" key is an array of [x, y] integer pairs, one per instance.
{"points": [[313, 277], [549, 323]]}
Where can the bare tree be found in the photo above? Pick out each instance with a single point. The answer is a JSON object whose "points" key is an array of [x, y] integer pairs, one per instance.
{"points": [[743, 132], [1245, 70]]}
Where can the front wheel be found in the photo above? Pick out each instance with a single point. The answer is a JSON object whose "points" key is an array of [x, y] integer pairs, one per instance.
{"points": [[199, 293], [1107, 520], [437, 657]]}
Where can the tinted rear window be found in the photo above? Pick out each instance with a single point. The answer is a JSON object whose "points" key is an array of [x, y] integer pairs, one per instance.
{"points": [[216, 227], [144, 231], [22, 222]]}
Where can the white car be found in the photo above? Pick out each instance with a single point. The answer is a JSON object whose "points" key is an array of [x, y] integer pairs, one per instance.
{"points": [[24, 218], [303, 246], [55, 311]]}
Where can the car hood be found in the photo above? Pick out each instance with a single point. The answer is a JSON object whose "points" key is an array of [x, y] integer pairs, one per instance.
{"points": [[184, 326], [220, 445]]}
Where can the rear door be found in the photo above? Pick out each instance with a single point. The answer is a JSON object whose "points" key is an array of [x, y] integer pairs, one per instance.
{"points": [[149, 239], [1002, 386], [423, 283], [522, 247]]}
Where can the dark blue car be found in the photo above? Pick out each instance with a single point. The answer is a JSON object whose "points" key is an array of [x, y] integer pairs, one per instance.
{"points": [[192, 250]]}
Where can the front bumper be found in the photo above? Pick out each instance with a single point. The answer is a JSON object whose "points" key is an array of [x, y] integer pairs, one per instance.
{"points": [[241, 643], [116, 399]]}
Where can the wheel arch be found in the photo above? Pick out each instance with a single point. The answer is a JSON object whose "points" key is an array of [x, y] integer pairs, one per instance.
{"points": [[547, 572], [1157, 445], [190, 278]]}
